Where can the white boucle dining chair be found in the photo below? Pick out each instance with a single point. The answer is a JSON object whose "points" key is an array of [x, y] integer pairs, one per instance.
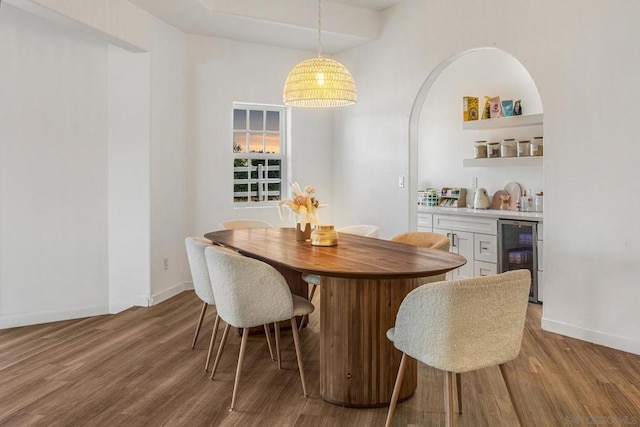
{"points": [[245, 223], [251, 293], [360, 230], [202, 286], [462, 325]]}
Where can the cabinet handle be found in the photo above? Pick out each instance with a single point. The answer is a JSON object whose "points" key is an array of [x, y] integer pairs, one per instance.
{"points": [[453, 240], [484, 248]]}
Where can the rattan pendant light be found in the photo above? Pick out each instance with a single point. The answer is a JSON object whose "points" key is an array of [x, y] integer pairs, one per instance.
{"points": [[319, 82]]}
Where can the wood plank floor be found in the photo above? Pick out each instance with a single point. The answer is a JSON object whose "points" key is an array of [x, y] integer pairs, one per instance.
{"points": [[137, 368]]}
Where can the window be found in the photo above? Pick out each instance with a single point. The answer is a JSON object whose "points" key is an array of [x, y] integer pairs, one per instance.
{"points": [[258, 154]]}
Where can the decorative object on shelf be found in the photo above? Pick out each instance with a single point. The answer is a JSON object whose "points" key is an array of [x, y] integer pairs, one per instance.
{"points": [[497, 200], [495, 107], [429, 197], [536, 146], [324, 235], [523, 148], [486, 111], [517, 108], [303, 205], [493, 149], [453, 197], [319, 82], [480, 149], [508, 148], [507, 107], [515, 191], [469, 108]]}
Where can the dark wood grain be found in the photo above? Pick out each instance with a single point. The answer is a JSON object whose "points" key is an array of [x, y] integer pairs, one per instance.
{"points": [[364, 281], [354, 257]]}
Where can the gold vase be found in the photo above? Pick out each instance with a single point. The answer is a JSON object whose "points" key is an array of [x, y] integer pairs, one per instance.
{"points": [[302, 236]]}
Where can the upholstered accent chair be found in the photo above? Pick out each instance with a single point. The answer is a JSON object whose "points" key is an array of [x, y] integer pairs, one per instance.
{"points": [[202, 285], [252, 293], [460, 326]]}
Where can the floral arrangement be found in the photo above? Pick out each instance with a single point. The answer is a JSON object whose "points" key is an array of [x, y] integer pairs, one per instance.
{"points": [[303, 205]]}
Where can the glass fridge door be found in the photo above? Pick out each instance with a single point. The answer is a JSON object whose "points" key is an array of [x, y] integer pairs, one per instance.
{"points": [[518, 250]]}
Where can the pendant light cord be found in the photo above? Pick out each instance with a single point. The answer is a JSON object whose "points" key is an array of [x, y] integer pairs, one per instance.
{"points": [[319, 26]]}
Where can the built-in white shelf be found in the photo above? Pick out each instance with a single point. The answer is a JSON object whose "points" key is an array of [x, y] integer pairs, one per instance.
{"points": [[503, 161], [504, 122]]}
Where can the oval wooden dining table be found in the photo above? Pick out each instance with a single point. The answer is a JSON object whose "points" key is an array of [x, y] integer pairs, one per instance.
{"points": [[363, 282]]}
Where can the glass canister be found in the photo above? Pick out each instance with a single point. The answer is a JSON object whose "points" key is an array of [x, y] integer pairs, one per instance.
{"points": [[480, 150], [493, 149], [523, 149], [508, 148], [324, 235], [536, 147]]}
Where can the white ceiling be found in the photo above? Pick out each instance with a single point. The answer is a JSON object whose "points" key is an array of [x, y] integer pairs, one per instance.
{"points": [[284, 23]]}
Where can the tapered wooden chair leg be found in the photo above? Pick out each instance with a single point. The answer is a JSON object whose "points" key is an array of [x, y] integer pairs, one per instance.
{"points": [[199, 325], [448, 398], [223, 341], [268, 335], [313, 291], [276, 326], [296, 341], [243, 347], [514, 399], [396, 390], [213, 339], [459, 391]]}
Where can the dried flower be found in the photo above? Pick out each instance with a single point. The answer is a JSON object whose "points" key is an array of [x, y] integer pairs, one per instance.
{"points": [[303, 205]]}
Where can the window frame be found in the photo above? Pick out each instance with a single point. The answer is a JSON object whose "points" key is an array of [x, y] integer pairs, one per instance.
{"points": [[282, 156]]}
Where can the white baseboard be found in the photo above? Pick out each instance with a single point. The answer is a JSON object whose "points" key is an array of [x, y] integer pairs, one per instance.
{"points": [[620, 343], [25, 319], [171, 292], [115, 308]]}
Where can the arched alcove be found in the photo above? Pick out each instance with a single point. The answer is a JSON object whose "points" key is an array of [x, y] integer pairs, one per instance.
{"points": [[437, 142]]}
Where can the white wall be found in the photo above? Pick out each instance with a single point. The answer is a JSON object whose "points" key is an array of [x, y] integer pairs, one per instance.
{"points": [[53, 171], [129, 206], [224, 71], [583, 60], [442, 143]]}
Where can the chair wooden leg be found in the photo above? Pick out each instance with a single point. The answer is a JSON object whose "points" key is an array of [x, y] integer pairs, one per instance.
{"points": [[396, 390], [296, 341], [514, 399], [459, 391], [276, 326], [448, 398], [243, 347], [313, 291], [268, 335], [223, 341], [199, 325], [213, 339]]}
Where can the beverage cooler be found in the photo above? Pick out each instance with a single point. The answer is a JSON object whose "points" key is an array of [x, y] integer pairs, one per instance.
{"points": [[517, 249]]}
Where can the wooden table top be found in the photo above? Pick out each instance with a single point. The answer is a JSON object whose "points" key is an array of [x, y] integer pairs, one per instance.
{"points": [[354, 257]]}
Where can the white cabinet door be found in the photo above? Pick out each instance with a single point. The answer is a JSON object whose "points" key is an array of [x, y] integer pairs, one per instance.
{"points": [[485, 248], [463, 245], [425, 221], [449, 234], [481, 268]]}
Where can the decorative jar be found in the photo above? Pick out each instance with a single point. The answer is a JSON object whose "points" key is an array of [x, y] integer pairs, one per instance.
{"points": [[324, 235]]}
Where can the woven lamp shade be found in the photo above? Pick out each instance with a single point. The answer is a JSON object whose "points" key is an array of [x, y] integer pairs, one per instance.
{"points": [[319, 82]]}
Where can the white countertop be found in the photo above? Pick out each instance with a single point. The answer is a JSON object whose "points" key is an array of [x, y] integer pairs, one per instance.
{"points": [[490, 213]]}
